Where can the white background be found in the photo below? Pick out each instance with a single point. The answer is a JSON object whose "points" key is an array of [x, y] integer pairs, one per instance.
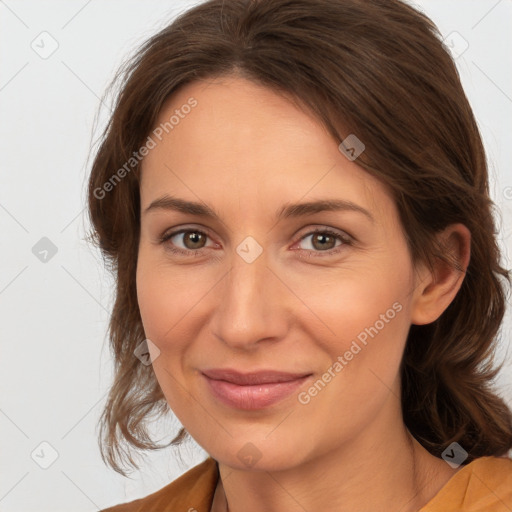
{"points": [[55, 363]]}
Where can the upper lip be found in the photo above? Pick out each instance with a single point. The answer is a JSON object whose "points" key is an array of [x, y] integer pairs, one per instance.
{"points": [[252, 378]]}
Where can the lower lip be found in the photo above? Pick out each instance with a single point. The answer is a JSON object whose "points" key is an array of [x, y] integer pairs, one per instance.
{"points": [[253, 397]]}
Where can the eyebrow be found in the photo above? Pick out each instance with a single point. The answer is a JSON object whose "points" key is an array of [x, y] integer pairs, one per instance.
{"points": [[287, 211]]}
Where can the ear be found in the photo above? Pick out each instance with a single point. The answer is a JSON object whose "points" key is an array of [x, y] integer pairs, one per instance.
{"points": [[435, 289]]}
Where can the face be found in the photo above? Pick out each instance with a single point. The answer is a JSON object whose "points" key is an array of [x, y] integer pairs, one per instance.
{"points": [[273, 279]]}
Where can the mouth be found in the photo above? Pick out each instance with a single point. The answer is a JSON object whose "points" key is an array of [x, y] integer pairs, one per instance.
{"points": [[254, 390]]}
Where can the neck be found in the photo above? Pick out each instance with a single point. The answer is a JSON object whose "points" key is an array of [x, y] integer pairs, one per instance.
{"points": [[381, 469]]}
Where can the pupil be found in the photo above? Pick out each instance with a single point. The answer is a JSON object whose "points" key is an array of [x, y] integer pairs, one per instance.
{"points": [[324, 241], [196, 240]]}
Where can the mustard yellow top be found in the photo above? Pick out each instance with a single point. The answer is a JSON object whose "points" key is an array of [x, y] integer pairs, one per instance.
{"points": [[484, 485]]}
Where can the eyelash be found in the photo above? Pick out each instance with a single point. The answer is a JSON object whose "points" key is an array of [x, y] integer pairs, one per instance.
{"points": [[345, 239]]}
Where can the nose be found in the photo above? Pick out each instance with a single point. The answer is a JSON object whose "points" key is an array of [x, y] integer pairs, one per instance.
{"points": [[252, 305]]}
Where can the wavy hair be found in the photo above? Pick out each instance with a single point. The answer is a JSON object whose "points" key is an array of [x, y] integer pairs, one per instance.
{"points": [[380, 68]]}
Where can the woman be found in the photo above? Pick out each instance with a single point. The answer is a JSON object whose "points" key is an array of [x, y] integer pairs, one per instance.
{"points": [[293, 195]]}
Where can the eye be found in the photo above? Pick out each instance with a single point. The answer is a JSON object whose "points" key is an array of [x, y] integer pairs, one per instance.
{"points": [[185, 241], [324, 240], [319, 242]]}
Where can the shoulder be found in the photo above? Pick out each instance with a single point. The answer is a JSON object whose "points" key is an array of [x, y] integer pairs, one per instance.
{"points": [[483, 485], [192, 491]]}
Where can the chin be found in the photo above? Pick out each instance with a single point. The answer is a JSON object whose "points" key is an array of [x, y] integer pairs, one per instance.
{"points": [[253, 454]]}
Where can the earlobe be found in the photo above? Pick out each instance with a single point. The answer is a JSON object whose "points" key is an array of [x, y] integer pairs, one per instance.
{"points": [[436, 288]]}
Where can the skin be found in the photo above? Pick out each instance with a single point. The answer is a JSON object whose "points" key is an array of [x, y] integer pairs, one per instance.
{"points": [[247, 152]]}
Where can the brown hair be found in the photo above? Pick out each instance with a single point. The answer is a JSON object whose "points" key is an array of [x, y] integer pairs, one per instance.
{"points": [[379, 67]]}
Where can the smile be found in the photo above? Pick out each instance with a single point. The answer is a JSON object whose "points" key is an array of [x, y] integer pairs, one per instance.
{"points": [[251, 391]]}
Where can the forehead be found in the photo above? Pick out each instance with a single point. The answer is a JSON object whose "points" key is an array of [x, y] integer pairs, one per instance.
{"points": [[245, 140]]}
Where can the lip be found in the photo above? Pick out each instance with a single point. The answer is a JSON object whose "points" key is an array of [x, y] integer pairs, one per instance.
{"points": [[253, 390]]}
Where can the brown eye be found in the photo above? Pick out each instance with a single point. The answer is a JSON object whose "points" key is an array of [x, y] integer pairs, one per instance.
{"points": [[185, 241], [322, 241], [194, 239]]}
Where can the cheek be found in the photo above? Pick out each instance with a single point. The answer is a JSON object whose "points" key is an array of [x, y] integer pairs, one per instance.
{"points": [[369, 314], [167, 299], [370, 302], [165, 306], [172, 305], [360, 375], [365, 318]]}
